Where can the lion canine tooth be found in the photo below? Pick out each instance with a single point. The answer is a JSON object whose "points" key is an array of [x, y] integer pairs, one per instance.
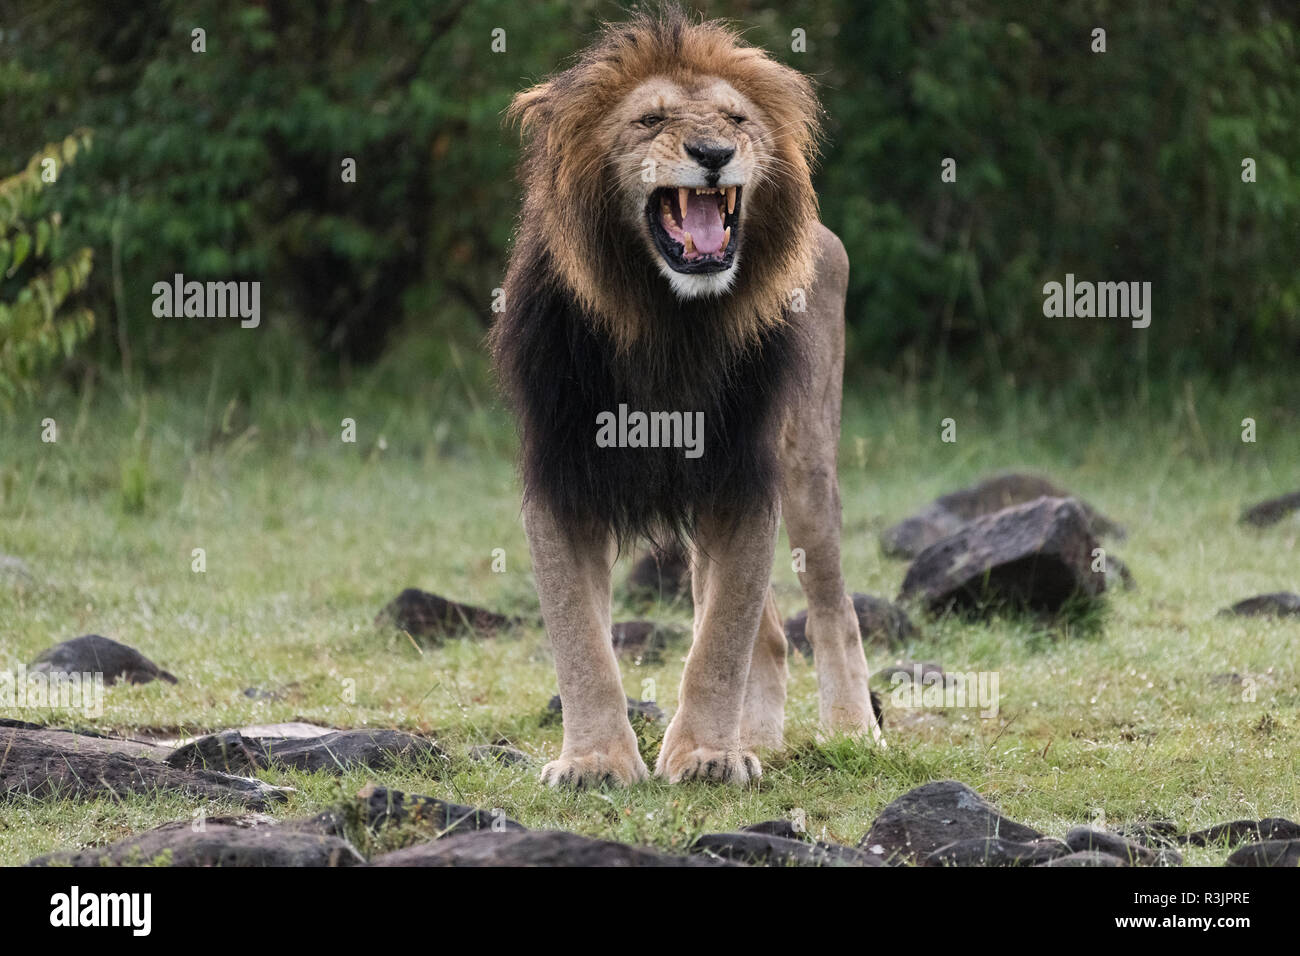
{"points": [[683, 197], [726, 239], [731, 200], [690, 243]]}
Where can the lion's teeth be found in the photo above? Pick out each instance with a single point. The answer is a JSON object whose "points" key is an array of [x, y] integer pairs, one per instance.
{"points": [[690, 243], [726, 239], [683, 197], [731, 200]]}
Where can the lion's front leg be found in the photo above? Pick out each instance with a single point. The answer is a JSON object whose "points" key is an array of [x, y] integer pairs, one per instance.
{"points": [[572, 572], [730, 571]]}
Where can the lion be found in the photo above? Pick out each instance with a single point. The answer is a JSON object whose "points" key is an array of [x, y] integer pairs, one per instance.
{"points": [[669, 259]]}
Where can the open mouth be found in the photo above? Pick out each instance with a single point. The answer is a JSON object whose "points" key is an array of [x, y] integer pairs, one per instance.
{"points": [[695, 228]]}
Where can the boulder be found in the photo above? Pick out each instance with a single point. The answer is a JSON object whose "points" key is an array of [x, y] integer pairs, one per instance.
{"points": [[426, 615], [216, 844], [765, 849], [333, 752], [1272, 511], [946, 515], [1087, 858], [94, 654], [1036, 555], [530, 848], [1277, 604], [1085, 839], [935, 815], [995, 851], [1280, 853], [381, 807], [880, 622]]}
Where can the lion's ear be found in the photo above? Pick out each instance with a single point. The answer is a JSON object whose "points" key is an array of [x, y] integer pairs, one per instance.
{"points": [[528, 106]]}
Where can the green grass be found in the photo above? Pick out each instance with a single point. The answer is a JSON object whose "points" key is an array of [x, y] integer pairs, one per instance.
{"points": [[307, 537]]}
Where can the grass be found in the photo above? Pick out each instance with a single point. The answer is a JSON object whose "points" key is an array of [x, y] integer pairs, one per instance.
{"points": [[306, 537]]}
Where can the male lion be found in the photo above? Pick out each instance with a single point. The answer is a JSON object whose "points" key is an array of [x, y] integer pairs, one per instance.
{"points": [[669, 258]]}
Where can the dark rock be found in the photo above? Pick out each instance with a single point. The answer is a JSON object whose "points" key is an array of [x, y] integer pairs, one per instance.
{"points": [[662, 575], [422, 614], [93, 654], [780, 828], [1036, 555], [1244, 831], [1277, 604], [500, 753], [764, 849], [32, 766], [933, 816], [1157, 834], [217, 844], [228, 751], [1272, 511], [1084, 839], [946, 515], [384, 807], [640, 638], [994, 851], [338, 751], [1087, 858], [82, 741], [529, 848], [880, 622], [644, 709], [1269, 853], [1278, 828]]}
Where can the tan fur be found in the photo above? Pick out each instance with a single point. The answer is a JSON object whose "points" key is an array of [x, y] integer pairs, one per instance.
{"points": [[732, 697]]}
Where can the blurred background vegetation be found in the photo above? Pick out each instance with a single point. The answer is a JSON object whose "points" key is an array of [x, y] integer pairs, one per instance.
{"points": [[226, 165]]}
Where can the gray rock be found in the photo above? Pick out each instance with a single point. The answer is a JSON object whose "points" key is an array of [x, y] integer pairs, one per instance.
{"points": [[947, 514], [432, 616], [344, 749], [644, 639], [662, 575], [501, 753], [1277, 604], [995, 851], [381, 807], [530, 848], [1244, 831], [935, 815], [765, 849], [781, 828], [1272, 511], [1084, 839], [217, 844], [1282, 853], [228, 751], [94, 654], [1156, 834], [1086, 858], [879, 621], [33, 767], [643, 709], [1036, 555]]}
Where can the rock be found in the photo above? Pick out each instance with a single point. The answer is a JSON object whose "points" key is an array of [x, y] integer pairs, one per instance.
{"points": [[933, 816], [640, 638], [228, 751], [994, 851], [1272, 511], [338, 751], [296, 729], [880, 622], [1036, 555], [32, 766], [946, 515], [1277, 604], [1244, 831], [384, 807], [913, 672], [1268, 853], [93, 654], [1157, 834], [644, 709], [499, 752], [529, 848], [781, 828], [1085, 839], [422, 614], [662, 575], [83, 742], [1086, 858], [217, 844], [765, 849]]}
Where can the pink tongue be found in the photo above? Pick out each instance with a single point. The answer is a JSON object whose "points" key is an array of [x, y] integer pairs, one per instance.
{"points": [[703, 222]]}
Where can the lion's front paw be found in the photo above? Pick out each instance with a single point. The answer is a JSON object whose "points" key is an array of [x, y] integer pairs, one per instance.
{"points": [[739, 767], [596, 768]]}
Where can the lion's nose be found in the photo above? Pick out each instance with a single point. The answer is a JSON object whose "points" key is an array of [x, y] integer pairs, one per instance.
{"points": [[710, 155]]}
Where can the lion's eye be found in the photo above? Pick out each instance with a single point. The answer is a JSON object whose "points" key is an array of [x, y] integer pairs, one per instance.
{"points": [[736, 118], [651, 119]]}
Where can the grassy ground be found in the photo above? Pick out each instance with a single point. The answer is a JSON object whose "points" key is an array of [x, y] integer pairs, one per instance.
{"points": [[306, 537]]}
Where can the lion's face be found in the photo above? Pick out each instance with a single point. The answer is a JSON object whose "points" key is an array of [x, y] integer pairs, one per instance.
{"points": [[684, 155]]}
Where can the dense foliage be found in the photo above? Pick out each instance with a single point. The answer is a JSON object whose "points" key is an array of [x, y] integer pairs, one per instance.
{"points": [[1122, 165]]}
